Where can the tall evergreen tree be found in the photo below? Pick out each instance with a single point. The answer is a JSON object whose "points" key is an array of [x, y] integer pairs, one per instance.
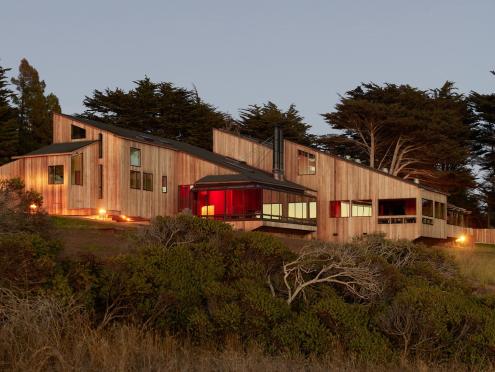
{"points": [[8, 120], [408, 132], [35, 109], [483, 106], [161, 109], [259, 121]]}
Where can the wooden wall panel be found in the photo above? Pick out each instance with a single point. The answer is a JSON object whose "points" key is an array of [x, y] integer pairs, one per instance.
{"points": [[243, 149], [12, 170], [484, 236]]}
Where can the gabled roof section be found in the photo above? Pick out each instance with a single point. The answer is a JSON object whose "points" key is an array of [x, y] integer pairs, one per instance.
{"points": [[248, 172], [58, 148]]}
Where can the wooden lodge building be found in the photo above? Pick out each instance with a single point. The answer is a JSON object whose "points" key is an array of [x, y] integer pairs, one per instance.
{"points": [[284, 188]]}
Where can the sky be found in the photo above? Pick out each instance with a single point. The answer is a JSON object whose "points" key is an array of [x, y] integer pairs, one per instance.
{"points": [[239, 53]]}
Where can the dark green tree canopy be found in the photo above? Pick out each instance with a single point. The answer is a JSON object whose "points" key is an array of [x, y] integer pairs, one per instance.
{"points": [[8, 120], [258, 122], [406, 132], [35, 109], [160, 109]]}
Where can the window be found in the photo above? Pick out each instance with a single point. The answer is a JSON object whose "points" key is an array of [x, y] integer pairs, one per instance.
{"points": [[339, 209], [427, 207], [361, 208], [164, 184], [76, 170], [135, 157], [272, 211], [306, 162], [77, 132], [148, 181], [100, 181], [135, 180], [440, 210], [397, 207], [55, 174], [312, 209], [100, 145], [298, 210]]}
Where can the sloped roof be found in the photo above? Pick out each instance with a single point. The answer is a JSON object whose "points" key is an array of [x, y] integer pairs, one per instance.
{"points": [[249, 173], [58, 148]]}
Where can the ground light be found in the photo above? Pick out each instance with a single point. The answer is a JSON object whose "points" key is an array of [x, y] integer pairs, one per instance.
{"points": [[102, 212], [33, 207], [461, 239]]}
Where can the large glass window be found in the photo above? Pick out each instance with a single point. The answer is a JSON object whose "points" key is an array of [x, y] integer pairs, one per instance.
{"points": [[148, 181], [427, 207], [76, 169], [77, 132], [340, 208], [135, 180], [361, 208], [312, 209], [272, 211], [55, 174], [397, 207], [306, 162], [135, 157], [298, 210]]}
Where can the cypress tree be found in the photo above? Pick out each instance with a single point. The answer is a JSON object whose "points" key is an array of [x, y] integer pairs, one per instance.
{"points": [[8, 120], [35, 109]]}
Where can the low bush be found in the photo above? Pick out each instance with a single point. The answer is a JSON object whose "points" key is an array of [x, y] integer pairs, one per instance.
{"points": [[203, 282]]}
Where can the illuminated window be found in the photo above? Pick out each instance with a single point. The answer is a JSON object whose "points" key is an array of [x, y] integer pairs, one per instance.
{"points": [[427, 207], [76, 170], [55, 174], [306, 162], [207, 210], [148, 181], [312, 209], [272, 211], [77, 132], [340, 209], [135, 157], [135, 180], [164, 184], [361, 208], [298, 210]]}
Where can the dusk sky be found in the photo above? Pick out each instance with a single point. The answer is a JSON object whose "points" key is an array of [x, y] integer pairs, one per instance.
{"points": [[239, 53]]}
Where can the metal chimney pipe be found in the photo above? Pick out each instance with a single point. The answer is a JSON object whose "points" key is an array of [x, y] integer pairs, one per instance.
{"points": [[278, 153]]}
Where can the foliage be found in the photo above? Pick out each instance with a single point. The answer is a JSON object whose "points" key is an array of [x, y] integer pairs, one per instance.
{"points": [[259, 122], [16, 213], [8, 120], [409, 132], [34, 107], [160, 108], [199, 280], [483, 106]]}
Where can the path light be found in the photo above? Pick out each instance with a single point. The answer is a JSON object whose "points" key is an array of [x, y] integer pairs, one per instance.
{"points": [[102, 212], [33, 207], [461, 239]]}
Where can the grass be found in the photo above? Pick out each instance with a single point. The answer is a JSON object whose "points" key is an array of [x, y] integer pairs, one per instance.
{"points": [[84, 236], [477, 263]]}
